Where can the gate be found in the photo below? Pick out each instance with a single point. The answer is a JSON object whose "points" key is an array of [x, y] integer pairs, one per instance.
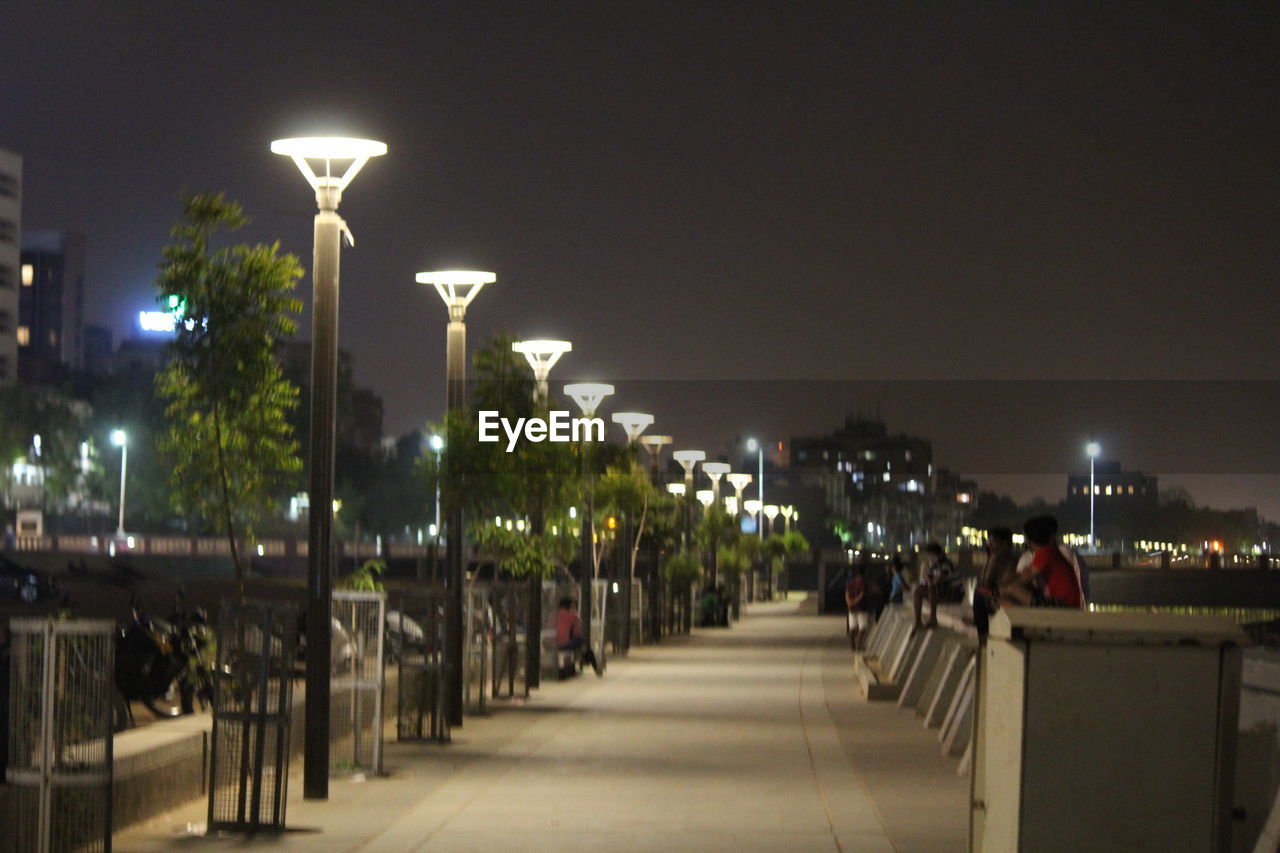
{"points": [[415, 633], [357, 681], [60, 734], [510, 613]]}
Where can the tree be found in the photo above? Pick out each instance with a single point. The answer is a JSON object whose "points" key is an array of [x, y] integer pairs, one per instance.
{"points": [[625, 489], [228, 441]]}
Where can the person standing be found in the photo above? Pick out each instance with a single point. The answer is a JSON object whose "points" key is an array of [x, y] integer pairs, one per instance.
{"points": [[936, 584], [855, 599]]}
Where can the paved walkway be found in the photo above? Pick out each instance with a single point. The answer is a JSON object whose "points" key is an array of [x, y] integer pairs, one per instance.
{"points": [[747, 739]]}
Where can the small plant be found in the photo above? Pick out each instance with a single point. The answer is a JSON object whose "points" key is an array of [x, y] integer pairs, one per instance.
{"points": [[365, 578]]}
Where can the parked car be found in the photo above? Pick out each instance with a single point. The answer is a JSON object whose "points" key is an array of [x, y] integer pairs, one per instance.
{"points": [[24, 583]]}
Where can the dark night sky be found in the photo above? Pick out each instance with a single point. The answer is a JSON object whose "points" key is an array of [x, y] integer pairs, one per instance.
{"points": [[725, 191]]}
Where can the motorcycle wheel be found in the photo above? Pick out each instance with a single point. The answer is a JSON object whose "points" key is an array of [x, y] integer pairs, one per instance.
{"points": [[168, 705]]}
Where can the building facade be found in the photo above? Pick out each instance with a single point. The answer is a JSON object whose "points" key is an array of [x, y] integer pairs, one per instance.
{"points": [[883, 489], [10, 263], [50, 305]]}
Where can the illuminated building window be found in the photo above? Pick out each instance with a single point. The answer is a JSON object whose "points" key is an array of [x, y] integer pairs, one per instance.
{"points": [[1108, 490], [28, 275], [24, 336]]}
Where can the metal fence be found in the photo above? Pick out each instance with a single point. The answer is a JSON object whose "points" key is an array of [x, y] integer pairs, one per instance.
{"points": [[60, 737], [357, 681], [510, 602], [249, 752], [415, 641]]}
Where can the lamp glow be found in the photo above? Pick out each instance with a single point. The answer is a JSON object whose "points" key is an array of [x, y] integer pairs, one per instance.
{"points": [[706, 497], [457, 288], [675, 488], [542, 356], [633, 423], [588, 395]]}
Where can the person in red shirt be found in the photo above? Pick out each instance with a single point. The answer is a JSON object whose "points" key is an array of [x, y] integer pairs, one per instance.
{"points": [[1050, 570], [569, 633]]}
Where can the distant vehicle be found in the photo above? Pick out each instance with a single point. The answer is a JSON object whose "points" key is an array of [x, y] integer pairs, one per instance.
{"points": [[25, 584]]}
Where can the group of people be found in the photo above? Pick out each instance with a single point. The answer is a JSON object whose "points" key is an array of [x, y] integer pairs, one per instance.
{"points": [[1045, 574]]}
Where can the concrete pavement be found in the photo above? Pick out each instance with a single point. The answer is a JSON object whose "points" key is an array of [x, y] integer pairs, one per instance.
{"points": [[751, 738]]}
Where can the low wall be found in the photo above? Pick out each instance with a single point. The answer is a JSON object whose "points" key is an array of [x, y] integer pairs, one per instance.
{"points": [[166, 764]]}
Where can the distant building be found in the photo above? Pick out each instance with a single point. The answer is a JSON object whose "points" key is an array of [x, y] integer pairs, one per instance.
{"points": [[881, 488], [1113, 488], [50, 305], [10, 259], [97, 350]]}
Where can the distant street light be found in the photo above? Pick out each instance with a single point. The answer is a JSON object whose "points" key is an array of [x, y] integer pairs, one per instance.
{"points": [[771, 512], [715, 470], [654, 444], [437, 444], [706, 497], [676, 489], [121, 440], [542, 356], [787, 512], [1092, 449], [456, 288], [688, 459], [329, 230], [633, 423], [754, 446], [588, 396]]}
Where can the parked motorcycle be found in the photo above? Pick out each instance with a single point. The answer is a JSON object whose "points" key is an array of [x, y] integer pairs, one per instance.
{"points": [[164, 664]]}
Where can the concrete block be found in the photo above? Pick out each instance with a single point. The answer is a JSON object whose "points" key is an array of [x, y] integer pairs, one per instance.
{"points": [[957, 728], [950, 647], [947, 689], [921, 668]]}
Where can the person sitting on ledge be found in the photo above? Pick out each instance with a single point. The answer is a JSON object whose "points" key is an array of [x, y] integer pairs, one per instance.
{"points": [[569, 633]]}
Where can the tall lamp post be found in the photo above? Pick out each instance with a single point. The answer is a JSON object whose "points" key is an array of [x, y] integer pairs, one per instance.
{"points": [[121, 440], [456, 288], [1092, 449], [437, 444], [588, 396], [632, 423], [787, 512], [542, 356], [329, 230], [654, 444], [754, 446], [715, 470], [688, 459], [739, 481]]}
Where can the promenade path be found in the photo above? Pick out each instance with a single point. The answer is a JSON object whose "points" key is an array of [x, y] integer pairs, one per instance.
{"points": [[748, 739]]}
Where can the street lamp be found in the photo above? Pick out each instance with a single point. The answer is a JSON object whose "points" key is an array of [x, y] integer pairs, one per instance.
{"points": [[121, 440], [771, 512], [787, 512], [754, 446], [633, 423], [456, 288], [542, 356], [437, 444], [1092, 449], [715, 470], [654, 444], [676, 489], [329, 230], [588, 396], [706, 497], [688, 459], [739, 481]]}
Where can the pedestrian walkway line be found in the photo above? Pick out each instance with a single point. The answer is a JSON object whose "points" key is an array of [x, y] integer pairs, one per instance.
{"points": [[850, 810]]}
